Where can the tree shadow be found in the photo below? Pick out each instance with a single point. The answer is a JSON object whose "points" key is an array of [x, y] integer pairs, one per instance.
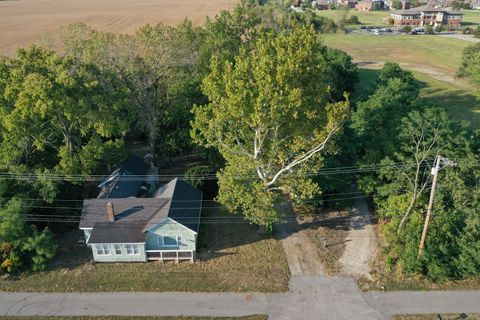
{"points": [[70, 254]]}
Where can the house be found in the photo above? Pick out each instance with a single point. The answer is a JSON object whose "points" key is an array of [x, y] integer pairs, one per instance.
{"points": [[135, 178], [347, 3], [427, 16], [132, 229], [405, 4], [370, 5], [323, 4], [475, 5]]}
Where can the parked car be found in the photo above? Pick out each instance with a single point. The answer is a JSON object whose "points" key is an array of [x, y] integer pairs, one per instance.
{"points": [[363, 27], [413, 32]]}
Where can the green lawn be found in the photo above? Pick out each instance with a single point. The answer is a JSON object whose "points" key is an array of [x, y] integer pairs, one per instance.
{"points": [[234, 257], [427, 54], [461, 103], [471, 16], [373, 18], [253, 317], [434, 61]]}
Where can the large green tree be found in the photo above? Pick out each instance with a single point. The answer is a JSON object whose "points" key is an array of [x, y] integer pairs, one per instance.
{"points": [[56, 116], [270, 116], [22, 246], [470, 66]]}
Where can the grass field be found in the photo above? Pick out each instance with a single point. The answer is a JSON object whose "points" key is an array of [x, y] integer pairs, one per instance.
{"points": [[253, 317], [26, 21], [426, 54], [234, 257], [434, 61], [471, 16], [373, 18]]}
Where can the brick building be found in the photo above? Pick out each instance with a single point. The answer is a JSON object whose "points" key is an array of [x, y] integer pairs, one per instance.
{"points": [[427, 16], [370, 5]]}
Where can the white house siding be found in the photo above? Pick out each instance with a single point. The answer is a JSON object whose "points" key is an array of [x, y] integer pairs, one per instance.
{"points": [[123, 257], [170, 228]]}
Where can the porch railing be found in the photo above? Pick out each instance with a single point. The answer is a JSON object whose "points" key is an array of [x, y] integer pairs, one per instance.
{"points": [[170, 255]]}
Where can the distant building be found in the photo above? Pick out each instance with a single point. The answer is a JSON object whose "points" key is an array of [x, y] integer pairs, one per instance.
{"points": [[347, 3], [370, 5], [405, 4], [427, 16], [475, 5], [323, 4]]}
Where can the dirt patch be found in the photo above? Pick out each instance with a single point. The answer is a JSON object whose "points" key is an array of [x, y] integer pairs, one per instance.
{"points": [[361, 242], [313, 240]]}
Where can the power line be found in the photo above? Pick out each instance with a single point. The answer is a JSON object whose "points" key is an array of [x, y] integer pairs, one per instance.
{"points": [[324, 171], [211, 219], [173, 201], [203, 207]]}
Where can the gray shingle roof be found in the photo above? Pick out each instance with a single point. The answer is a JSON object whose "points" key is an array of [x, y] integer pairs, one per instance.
{"points": [[126, 180], [186, 203], [111, 232], [126, 210], [134, 216]]}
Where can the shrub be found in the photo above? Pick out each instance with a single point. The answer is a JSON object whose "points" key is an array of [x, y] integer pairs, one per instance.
{"points": [[439, 28], [194, 175], [476, 33], [353, 20], [407, 29]]}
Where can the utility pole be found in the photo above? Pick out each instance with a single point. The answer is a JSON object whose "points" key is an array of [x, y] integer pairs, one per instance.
{"points": [[440, 163]]}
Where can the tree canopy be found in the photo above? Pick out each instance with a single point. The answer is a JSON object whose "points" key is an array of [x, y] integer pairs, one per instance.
{"points": [[270, 113]]}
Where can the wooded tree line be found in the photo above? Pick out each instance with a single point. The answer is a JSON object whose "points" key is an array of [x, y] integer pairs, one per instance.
{"points": [[403, 134], [267, 103]]}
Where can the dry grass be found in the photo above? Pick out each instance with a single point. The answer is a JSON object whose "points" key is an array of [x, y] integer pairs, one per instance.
{"points": [[234, 257], [450, 316], [253, 317], [25, 21]]}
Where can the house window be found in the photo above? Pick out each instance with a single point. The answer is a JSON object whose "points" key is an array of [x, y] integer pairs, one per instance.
{"points": [[170, 242], [103, 249], [132, 249], [118, 249]]}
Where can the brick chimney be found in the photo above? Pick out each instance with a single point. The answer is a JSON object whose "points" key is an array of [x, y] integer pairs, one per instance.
{"points": [[110, 212]]}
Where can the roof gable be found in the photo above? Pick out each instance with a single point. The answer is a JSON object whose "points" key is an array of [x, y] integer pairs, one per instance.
{"points": [[186, 204]]}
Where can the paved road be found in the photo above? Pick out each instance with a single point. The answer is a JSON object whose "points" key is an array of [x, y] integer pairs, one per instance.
{"points": [[465, 37], [310, 297], [411, 302]]}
